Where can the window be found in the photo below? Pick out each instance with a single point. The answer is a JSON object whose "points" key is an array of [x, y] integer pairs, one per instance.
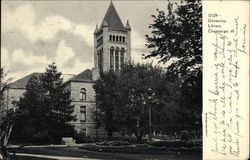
{"points": [[112, 58], [122, 57], [120, 38], [110, 37], [117, 59], [117, 38], [100, 60], [82, 114], [99, 41], [113, 37], [123, 39], [83, 94], [83, 109]]}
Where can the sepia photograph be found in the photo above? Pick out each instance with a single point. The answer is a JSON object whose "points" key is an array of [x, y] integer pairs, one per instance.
{"points": [[101, 80]]}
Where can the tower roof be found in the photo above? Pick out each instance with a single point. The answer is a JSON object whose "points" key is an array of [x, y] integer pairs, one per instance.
{"points": [[112, 18]]}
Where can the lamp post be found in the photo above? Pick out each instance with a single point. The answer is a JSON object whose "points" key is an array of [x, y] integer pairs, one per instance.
{"points": [[150, 94]]}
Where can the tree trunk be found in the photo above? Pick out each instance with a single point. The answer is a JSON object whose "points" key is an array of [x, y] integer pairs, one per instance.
{"points": [[7, 134], [138, 134], [139, 138], [5, 141]]}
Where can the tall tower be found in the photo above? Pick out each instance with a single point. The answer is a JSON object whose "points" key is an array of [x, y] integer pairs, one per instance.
{"points": [[112, 43]]}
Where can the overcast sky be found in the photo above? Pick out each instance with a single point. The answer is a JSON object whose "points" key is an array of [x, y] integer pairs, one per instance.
{"points": [[37, 33]]}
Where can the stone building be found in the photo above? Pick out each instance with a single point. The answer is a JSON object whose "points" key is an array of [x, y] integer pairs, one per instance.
{"points": [[16, 90], [112, 48], [82, 97], [112, 43]]}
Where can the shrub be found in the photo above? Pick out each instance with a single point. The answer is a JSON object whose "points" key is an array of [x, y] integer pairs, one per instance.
{"points": [[113, 143], [130, 140], [171, 144], [42, 138], [82, 138]]}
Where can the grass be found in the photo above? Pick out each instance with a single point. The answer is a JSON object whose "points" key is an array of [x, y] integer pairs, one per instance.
{"points": [[75, 152]]}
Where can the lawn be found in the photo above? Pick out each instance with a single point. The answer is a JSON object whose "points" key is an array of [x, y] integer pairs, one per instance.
{"points": [[76, 152]]}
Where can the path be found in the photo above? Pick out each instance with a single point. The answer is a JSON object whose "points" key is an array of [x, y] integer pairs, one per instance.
{"points": [[54, 157]]}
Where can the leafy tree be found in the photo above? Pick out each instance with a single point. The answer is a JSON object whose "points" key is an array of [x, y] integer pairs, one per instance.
{"points": [[33, 112], [177, 39], [178, 35], [123, 99], [59, 103], [135, 82], [106, 96], [45, 110]]}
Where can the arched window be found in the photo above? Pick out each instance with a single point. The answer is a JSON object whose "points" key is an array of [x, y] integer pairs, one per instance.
{"points": [[117, 38], [123, 39], [117, 59], [110, 37], [112, 58], [83, 94], [120, 38], [122, 57], [113, 37]]}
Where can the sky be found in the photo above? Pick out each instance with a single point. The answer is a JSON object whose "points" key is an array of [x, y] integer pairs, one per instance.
{"points": [[37, 33]]}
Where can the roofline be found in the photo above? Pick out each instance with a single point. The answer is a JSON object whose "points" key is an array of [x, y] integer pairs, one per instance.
{"points": [[78, 80], [15, 88]]}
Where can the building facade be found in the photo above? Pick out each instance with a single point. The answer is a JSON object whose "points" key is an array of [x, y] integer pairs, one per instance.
{"points": [[112, 43], [112, 48]]}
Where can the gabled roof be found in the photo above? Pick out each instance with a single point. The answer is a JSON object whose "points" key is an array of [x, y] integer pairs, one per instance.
{"points": [[21, 83], [112, 19], [85, 76]]}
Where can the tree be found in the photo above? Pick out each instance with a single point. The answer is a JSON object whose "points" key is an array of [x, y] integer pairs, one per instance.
{"points": [[178, 35], [7, 117], [135, 82], [177, 39], [106, 95], [45, 110], [59, 102], [123, 99]]}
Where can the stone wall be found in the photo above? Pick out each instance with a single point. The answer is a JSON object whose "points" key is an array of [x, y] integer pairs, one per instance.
{"points": [[87, 126]]}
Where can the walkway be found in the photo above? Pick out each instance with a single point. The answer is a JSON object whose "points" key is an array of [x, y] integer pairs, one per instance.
{"points": [[54, 157]]}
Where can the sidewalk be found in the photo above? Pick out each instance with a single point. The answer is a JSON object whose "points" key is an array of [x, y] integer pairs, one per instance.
{"points": [[45, 146], [54, 157]]}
